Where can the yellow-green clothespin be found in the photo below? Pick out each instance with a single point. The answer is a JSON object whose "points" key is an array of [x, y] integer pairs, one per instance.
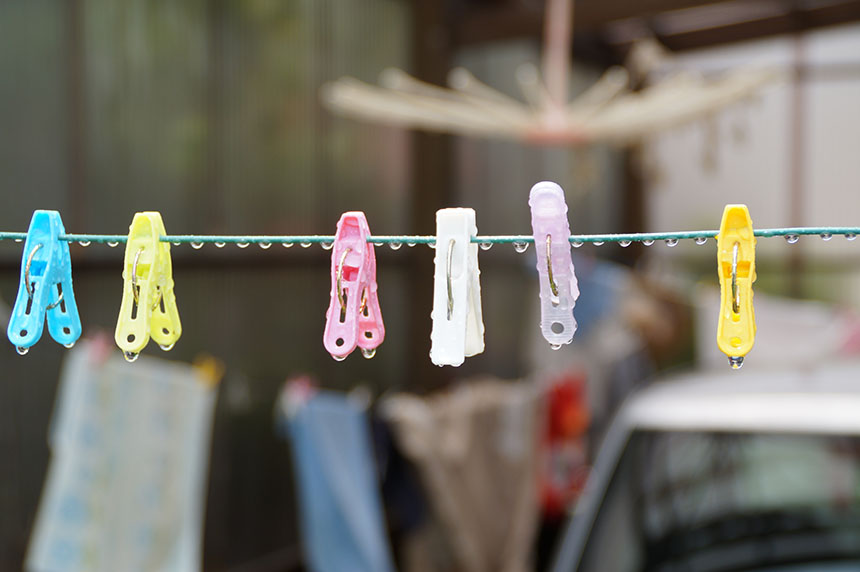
{"points": [[736, 267], [148, 302]]}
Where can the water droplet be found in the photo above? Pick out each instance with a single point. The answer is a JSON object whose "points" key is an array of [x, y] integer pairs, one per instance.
{"points": [[22, 351], [700, 240], [242, 244], [287, 244], [597, 243], [486, 245], [555, 347], [368, 354], [791, 238], [176, 243], [84, 243], [648, 242], [220, 244], [113, 243], [825, 236], [395, 245], [338, 358], [305, 244], [410, 244], [265, 245], [168, 347], [736, 362], [671, 242], [196, 245], [624, 243], [431, 245], [70, 345], [576, 244], [327, 245], [521, 246], [130, 356], [850, 236], [19, 240]]}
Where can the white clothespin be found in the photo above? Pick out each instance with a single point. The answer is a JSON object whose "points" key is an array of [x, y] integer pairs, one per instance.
{"points": [[458, 328]]}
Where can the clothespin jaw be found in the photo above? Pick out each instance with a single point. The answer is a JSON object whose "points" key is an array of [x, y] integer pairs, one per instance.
{"points": [[45, 289], [148, 302], [558, 286], [353, 317], [736, 267], [458, 327]]}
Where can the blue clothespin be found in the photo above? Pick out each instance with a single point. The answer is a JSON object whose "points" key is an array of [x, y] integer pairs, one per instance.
{"points": [[45, 288]]}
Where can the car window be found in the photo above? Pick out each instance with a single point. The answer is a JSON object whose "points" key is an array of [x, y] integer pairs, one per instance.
{"points": [[719, 501]]}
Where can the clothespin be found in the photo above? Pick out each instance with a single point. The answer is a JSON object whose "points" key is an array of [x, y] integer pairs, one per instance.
{"points": [[353, 317], [558, 286], [148, 302], [736, 267], [45, 290], [458, 328]]}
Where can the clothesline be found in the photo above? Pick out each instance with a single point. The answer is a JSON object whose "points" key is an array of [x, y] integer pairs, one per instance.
{"points": [[791, 234]]}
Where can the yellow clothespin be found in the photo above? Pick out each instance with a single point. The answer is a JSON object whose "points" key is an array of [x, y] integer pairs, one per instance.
{"points": [[148, 303], [736, 267]]}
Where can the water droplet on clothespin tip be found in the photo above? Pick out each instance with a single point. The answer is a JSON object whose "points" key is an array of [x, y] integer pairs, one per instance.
{"points": [[368, 353], [700, 240], [395, 245], [486, 245], [624, 243], [220, 244], [242, 244], [791, 238], [555, 347], [327, 245], [736, 362], [521, 246], [850, 236], [196, 245], [338, 358], [69, 345], [84, 243], [112, 243], [825, 236], [21, 350], [671, 242], [167, 348], [648, 242], [305, 244], [130, 356]]}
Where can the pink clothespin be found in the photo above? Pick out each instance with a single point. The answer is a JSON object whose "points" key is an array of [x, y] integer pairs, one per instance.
{"points": [[558, 287], [353, 317]]}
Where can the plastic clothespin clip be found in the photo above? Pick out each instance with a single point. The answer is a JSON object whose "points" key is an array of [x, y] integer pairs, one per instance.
{"points": [[148, 302], [458, 328], [45, 290], [736, 267], [353, 317], [558, 287]]}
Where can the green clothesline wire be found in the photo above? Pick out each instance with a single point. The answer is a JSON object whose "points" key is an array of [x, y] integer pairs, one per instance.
{"points": [[113, 239]]}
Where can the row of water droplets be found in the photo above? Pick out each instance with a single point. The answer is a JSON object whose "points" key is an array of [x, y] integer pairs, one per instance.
{"points": [[519, 246]]}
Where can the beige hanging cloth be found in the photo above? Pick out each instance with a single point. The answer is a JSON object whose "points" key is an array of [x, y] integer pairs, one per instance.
{"points": [[476, 450]]}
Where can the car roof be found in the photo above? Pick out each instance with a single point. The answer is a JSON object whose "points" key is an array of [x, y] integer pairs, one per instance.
{"points": [[824, 399]]}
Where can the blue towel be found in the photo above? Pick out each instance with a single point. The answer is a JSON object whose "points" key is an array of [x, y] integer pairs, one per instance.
{"points": [[341, 511]]}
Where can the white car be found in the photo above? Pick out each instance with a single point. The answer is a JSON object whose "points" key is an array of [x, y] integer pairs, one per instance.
{"points": [[744, 471]]}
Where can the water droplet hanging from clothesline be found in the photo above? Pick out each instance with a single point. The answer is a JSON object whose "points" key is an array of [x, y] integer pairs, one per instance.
{"points": [[84, 243], [671, 242], [265, 245], [196, 245], [486, 245], [700, 240], [648, 242], [521, 246], [791, 238], [242, 244]]}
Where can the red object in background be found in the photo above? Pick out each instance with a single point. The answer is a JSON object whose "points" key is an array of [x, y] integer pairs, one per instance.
{"points": [[563, 444]]}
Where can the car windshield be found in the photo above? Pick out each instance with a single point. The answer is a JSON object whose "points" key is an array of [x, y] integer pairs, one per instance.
{"points": [[719, 502]]}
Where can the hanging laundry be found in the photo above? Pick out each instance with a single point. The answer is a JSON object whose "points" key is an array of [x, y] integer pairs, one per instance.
{"points": [[126, 484], [476, 451], [338, 488]]}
